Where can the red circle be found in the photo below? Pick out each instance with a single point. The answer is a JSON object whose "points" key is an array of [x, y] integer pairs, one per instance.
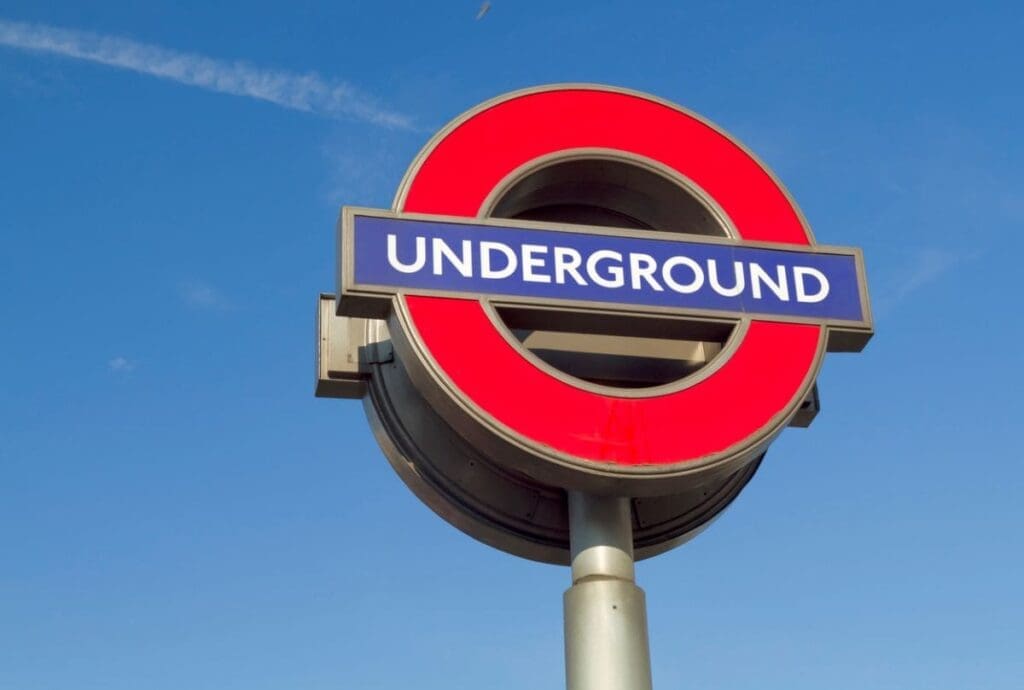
{"points": [[732, 406]]}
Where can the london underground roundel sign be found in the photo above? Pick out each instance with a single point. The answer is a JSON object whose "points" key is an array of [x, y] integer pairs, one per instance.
{"points": [[454, 279]]}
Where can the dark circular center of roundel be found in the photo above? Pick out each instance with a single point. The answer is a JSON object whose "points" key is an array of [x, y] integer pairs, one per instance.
{"points": [[620, 351]]}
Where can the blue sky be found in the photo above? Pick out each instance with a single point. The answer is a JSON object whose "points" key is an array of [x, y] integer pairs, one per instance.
{"points": [[178, 511]]}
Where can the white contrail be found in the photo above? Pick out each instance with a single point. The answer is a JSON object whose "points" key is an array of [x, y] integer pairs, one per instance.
{"points": [[308, 92]]}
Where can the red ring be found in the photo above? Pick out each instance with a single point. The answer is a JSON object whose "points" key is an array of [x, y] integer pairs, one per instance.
{"points": [[762, 377]]}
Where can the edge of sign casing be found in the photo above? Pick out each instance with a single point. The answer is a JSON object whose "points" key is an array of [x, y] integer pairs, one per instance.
{"points": [[520, 534]]}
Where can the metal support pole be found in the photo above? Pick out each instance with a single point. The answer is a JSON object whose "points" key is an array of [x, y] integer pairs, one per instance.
{"points": [[605, 612]]}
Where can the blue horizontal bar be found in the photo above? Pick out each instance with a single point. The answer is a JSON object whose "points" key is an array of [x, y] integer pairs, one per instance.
{"points": [[414, 255]]}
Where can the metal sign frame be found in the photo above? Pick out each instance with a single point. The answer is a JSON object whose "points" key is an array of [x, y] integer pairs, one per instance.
{"points": [[543, 464], [374, 300], [532, 420]]}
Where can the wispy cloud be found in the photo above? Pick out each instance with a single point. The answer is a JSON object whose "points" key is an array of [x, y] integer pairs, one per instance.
{"points": [[925, 267], [200, 295], [928, 265], [121, 365], [357, 169], [307, 92]]}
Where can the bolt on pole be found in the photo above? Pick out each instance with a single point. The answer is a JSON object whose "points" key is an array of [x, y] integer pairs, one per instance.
{"points": [[606, 645]]}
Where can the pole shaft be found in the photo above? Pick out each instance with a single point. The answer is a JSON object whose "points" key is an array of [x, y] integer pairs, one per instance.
{"points": [[605, 612]]}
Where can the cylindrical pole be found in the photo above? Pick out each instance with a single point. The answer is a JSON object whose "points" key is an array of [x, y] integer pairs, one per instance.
{"points": [[605, 612]]}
